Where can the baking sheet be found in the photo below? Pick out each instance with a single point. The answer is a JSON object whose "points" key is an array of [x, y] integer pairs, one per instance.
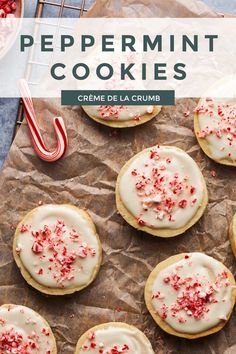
{"points": [[86, 177]]}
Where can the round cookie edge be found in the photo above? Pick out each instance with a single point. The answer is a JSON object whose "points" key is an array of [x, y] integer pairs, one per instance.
{"points": [[165, 233], [41, 318], [204, 144], [162, 324], [232, 236], [31, 281], [84, 336]]}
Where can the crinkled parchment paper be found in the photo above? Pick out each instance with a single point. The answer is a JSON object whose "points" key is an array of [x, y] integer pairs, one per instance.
{"points": [[86, 177]]}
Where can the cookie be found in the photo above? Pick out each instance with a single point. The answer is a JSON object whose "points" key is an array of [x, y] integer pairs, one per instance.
{"points": [[24, 331], [161, 191], [122, 116], [114, 337], [232, 234], [215, 129], [57, 249], [190, 295]]}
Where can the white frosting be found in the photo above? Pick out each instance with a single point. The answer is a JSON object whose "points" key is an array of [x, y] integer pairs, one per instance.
{"points": [[76, 247], [173, 180], [121, 113], [215, 118], [23, 331], [203, 305], [126, 340]]}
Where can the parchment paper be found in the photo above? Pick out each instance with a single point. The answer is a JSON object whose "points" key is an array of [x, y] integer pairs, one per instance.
{"points": [[86, 177]]}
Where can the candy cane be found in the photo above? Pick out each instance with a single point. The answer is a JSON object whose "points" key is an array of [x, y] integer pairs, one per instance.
{"points": [[37, 140]]}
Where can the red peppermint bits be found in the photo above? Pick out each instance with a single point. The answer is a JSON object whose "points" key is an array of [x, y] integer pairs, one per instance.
{"points": [[166, 279], [193, 201], [74, 235], [91, 336], [40, 271], [37, 247], [194, 295], [107, 112], [140, 185], [201, 109], [137, 117], [134, 172], [213, 173], [13, 342], [181, 319], [2, 321], [222, 122], [186, 114], [115, 349], [51, 243], [24, 228], [92, 252], [164, 309], [154, 154], [82, 252], [7, 7], [192, 190], [46, 332], [125, 348], [141, 221], [182, 203], [224, 275], [155, 172], [169, 204], [162, 190]]}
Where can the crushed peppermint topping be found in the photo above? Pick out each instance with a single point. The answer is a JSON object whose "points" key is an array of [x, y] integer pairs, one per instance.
{"points": [[161, 191], [92, 344], [7, 8], [186, 114], [24, 228], [213, 173], [62, 260], [194, 294], [113, 112], [13, 342], [223, 117], [8, 11], [107, 112], [2, 321]]}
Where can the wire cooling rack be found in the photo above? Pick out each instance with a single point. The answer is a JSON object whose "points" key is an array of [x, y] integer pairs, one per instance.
{"points": [[58, 9]]}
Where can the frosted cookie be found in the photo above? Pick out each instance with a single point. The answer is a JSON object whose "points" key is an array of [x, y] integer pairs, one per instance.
{"points": [[215, 121], [57, 249], [23, 331], [161, 191], [122, 116], [232, 234], [114, 338], [190, 295]]}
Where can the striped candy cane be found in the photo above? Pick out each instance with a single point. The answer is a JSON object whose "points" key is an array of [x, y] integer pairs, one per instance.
{"points": [[37, 140]]}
